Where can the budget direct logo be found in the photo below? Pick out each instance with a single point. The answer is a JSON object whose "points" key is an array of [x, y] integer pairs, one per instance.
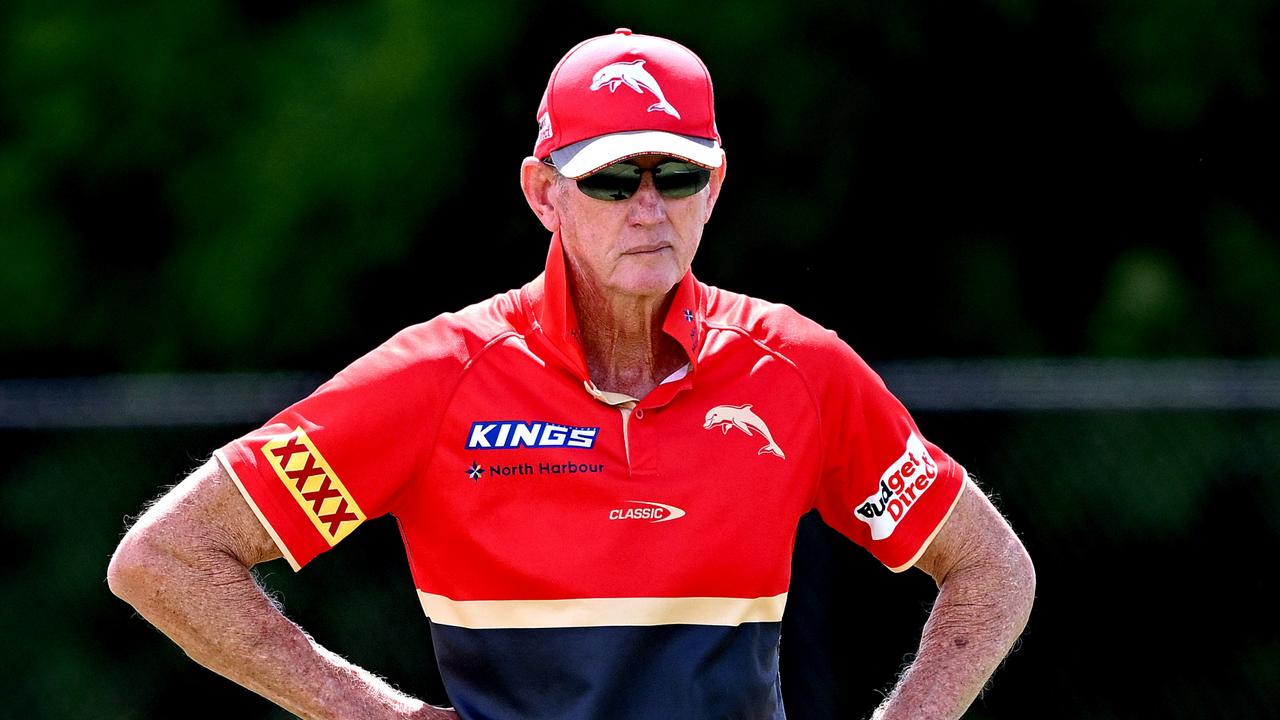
{"points": [[314, 485], [901, 486], [506, 434]]}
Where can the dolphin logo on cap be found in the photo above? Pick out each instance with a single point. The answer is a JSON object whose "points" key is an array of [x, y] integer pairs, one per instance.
{"points": [[633, 75]]}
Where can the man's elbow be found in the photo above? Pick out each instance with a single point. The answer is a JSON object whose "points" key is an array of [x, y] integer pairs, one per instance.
{"points": [[133, 570], [125, 569], [1021, 581], [1004, 575]]}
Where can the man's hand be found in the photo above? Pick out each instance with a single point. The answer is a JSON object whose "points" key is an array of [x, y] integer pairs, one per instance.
{"points": [[986, 585], [184, 566]]}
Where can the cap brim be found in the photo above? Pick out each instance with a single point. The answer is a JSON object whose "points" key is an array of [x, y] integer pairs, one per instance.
{"points": [[583, 158]]}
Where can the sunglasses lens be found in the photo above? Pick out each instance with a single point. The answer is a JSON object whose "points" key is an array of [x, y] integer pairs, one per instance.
{"points": [[619, 182], [616, 182], [680, 179]]}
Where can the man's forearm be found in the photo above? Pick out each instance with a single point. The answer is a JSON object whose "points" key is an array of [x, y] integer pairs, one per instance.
{"points": [[211, 606], [979, 613]]}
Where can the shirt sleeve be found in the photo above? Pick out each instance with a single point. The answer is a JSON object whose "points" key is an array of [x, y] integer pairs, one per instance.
{"points": [[882, 484], [320, 468]]}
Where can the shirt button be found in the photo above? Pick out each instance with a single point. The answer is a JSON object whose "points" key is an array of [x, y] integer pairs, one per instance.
{"points": [[639, 414]]}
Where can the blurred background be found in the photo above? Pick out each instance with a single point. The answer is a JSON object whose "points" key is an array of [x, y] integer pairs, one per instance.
{"points": [[1053, 227]]}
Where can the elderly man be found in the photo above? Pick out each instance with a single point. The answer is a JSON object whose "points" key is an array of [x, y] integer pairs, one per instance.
{"points": [[597, 476]]}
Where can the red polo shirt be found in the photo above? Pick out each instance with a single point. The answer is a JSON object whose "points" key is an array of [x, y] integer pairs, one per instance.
{"points": [[585, 554]]}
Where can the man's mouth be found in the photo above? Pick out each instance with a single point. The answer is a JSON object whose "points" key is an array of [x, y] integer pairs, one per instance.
{"points": [[646, 249]]}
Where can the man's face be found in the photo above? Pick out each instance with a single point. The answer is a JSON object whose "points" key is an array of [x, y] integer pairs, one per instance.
{"points": [[640, 246]]}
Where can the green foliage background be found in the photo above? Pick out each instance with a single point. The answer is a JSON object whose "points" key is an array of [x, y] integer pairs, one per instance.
{"points": [[255, 186]]}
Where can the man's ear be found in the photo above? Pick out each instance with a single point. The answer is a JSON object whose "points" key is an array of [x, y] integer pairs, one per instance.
{"points": [[538, 180], [717, 180]]}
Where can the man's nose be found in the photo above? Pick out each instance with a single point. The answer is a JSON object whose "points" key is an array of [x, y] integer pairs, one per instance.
{"points": [[647, 206]]}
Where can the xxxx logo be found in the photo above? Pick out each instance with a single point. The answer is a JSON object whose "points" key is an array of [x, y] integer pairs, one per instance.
{"points": [[315, 486]]}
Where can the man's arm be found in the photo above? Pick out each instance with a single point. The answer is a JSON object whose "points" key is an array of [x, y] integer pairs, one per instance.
{"points": [[184, 566], [986, 585]]}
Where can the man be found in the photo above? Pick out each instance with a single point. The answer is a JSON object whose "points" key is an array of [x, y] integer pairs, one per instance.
{"points": [[597, 476]]}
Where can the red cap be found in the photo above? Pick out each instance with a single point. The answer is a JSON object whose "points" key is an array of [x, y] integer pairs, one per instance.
{"points": [[618, 96]]}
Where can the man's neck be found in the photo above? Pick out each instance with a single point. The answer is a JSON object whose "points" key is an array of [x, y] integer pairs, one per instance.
{"points": [[623, 341]]}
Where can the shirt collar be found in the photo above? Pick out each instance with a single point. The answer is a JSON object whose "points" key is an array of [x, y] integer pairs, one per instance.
{"points": [[550, 306]]}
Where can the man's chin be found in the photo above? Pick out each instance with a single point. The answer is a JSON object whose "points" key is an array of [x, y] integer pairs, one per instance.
{"points": [[647, 284]]}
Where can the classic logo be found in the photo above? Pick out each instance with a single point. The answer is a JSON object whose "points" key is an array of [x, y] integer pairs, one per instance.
{"points": [[314, 485], [900, 487], [633, 75], [742, 418], [505, 434], [652, 511]]}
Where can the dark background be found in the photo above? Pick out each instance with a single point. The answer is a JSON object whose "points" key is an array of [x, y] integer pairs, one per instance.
{"points": [[244, 186]]}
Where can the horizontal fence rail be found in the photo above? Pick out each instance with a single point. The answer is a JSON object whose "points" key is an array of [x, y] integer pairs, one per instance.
{"points": [[943, 385], [153, 400], [1084, 384]]}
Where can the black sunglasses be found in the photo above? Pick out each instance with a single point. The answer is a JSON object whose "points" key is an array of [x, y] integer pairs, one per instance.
{"points": [[673, 179]]}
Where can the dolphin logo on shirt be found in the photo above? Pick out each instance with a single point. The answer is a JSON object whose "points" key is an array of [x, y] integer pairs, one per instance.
{"points": [[633, 75], [741, 417]]}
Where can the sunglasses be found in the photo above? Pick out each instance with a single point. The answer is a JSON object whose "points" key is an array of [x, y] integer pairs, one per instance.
{"points": [[672, 179]]}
